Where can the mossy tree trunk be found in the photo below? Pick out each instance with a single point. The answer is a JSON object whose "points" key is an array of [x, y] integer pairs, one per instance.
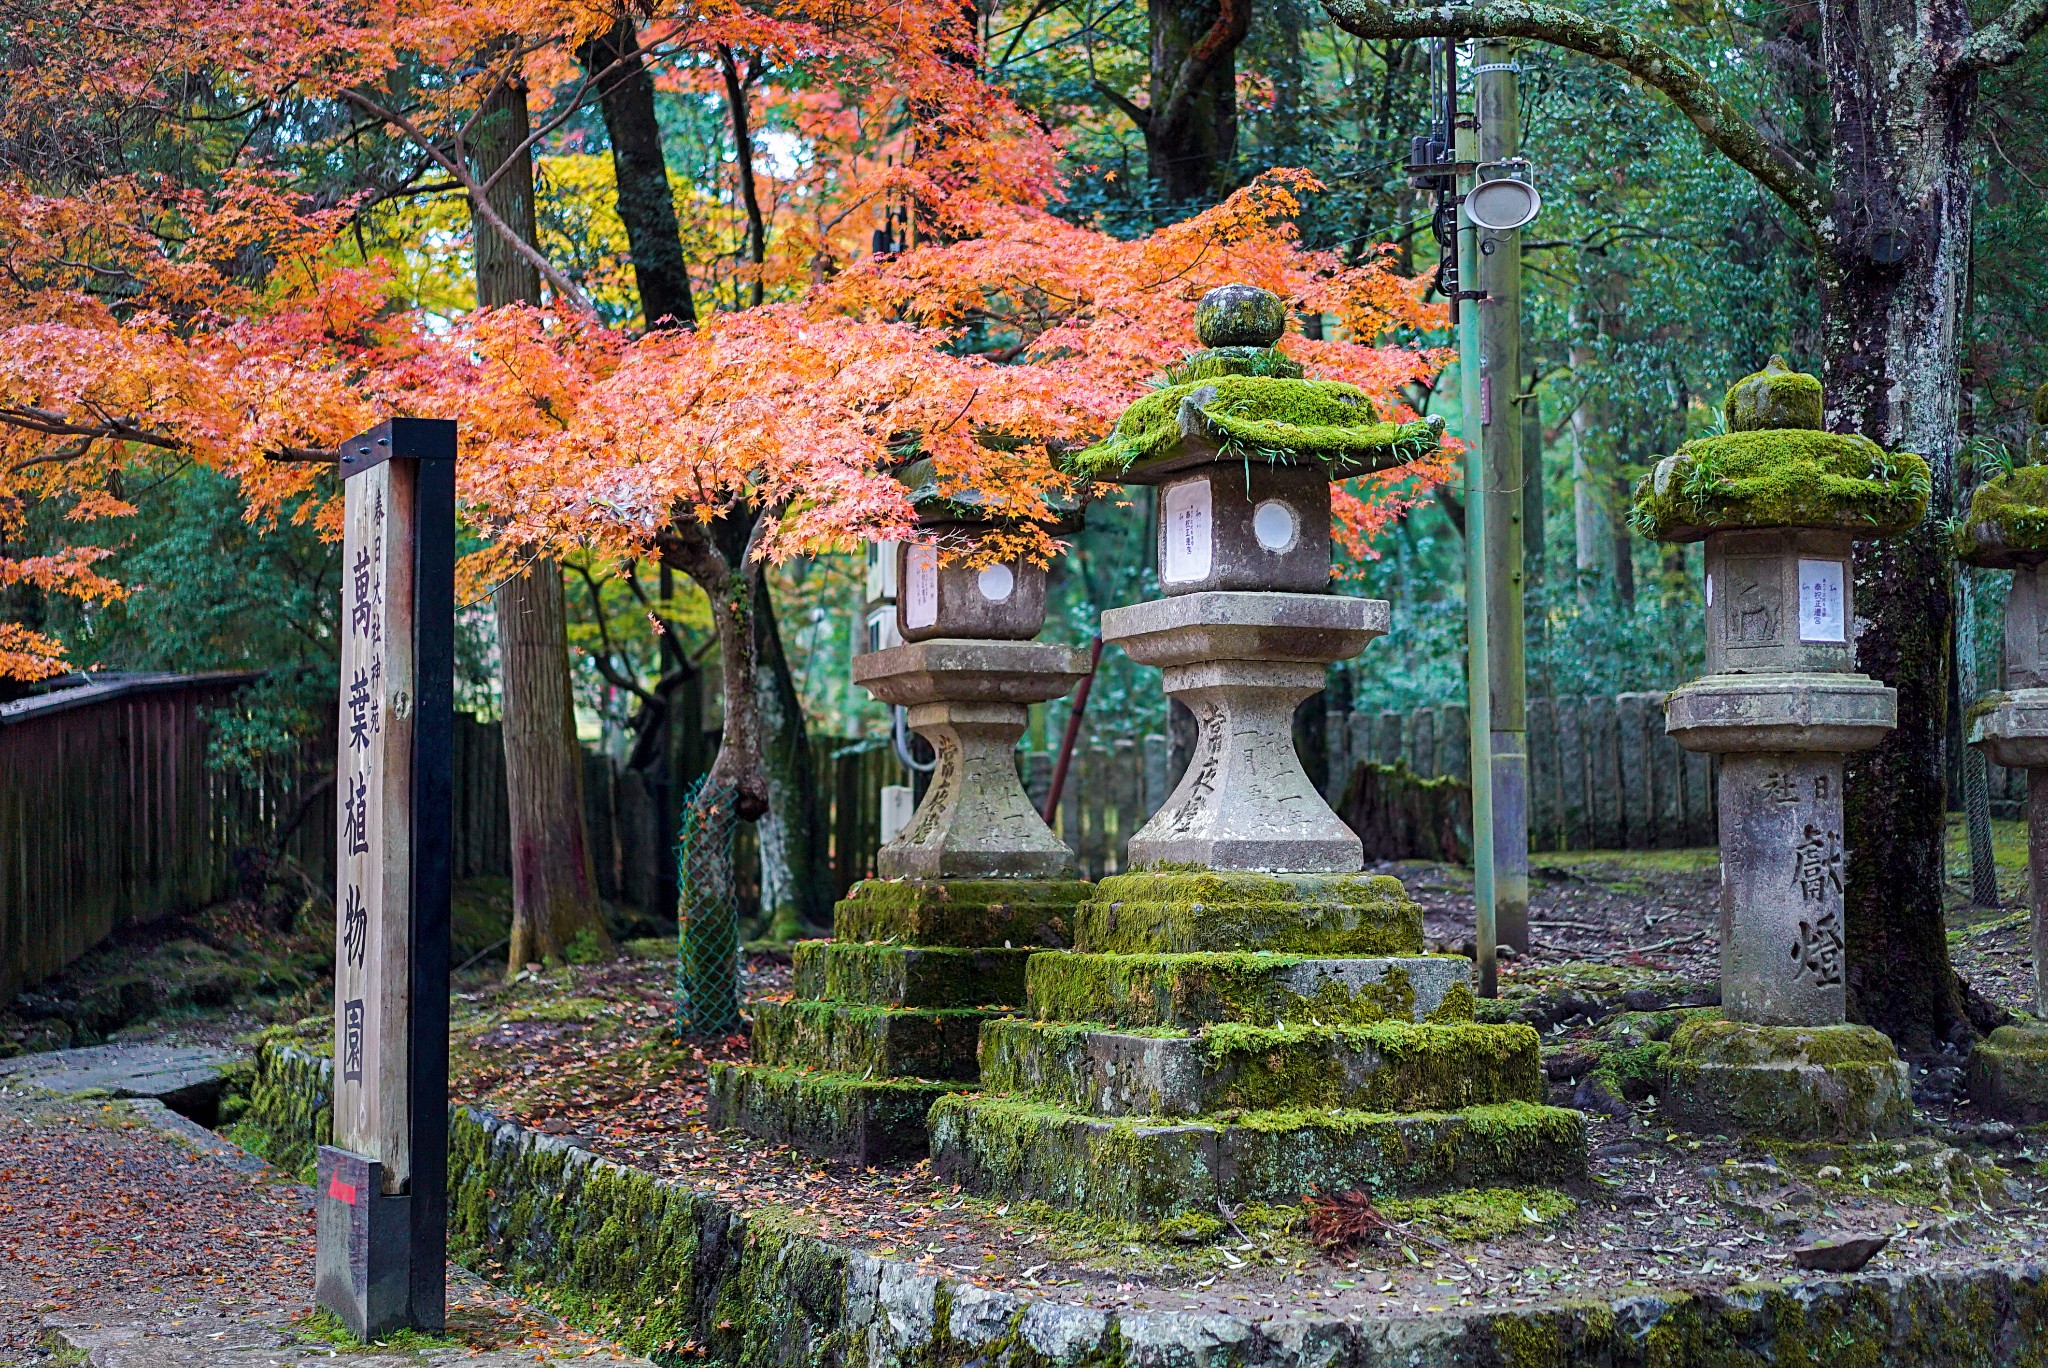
{"points": [[647, 208], [554, 889], [1890, 229], [795, 874], [1892, 274], [1190, 122]]}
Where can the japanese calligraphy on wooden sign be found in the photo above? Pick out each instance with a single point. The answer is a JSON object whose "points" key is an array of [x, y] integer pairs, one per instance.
{"points": [[382, 1203], [374, 781]]}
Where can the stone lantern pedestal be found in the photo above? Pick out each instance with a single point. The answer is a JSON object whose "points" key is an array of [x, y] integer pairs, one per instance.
{"points": [[2008, 1072], [1247, 1016], [1781, 705], [886, 1015]]}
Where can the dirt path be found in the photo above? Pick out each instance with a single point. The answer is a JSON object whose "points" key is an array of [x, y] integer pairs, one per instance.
{"points": [[126, 1244]]}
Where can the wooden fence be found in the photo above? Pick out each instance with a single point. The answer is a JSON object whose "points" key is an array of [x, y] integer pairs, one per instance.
{"points": [[1602, 773], [106, 815]]}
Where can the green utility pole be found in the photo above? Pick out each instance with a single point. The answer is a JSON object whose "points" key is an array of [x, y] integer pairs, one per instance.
{"points": [[1499, 274], [1479, 511]]}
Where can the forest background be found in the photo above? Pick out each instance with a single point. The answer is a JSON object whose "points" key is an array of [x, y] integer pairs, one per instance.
{"points": [[1656, 275]]}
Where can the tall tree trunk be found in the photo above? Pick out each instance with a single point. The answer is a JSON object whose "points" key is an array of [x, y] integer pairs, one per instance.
{"points": [[795, 875], [1892, 275], [1192, 135], [646, 206], [554, 898], [736, 83]]}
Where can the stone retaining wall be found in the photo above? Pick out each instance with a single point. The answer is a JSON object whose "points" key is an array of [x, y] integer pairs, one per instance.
{"points": [[681, 1277]]}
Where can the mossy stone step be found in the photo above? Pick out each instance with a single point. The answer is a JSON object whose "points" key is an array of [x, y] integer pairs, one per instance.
{"points": [[1260, 987], [877, 1042], [1175, 911], [1387, 1066], [967, 913], [1795, 1082], [2009, 1071], [910, 975], [832, 1115], [1150, 1169]]}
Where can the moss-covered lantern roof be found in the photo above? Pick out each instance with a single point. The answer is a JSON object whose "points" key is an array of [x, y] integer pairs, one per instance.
{"points": [[2006, 525], [1775, 467], [1240, 400]]}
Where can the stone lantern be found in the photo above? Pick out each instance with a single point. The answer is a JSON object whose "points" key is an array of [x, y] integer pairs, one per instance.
{"points": [[1246, 1015], [886, 1014], [1780, 503], [2007, 529]]}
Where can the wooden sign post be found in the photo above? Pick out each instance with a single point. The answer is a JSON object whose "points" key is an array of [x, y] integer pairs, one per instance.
{"points": [[382, 1187]]}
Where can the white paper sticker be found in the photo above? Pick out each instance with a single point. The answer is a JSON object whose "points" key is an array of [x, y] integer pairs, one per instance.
{"points": [[1710, 589], [921, 590], [1820, 601], [995, 582], [1186, 519]]}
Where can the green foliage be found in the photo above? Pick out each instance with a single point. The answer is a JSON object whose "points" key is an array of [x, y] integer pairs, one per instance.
{"points": [[1781, 477]]}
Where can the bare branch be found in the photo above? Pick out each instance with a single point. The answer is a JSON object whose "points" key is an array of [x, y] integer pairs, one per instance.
{"points": [[54, 424], [1133, 111], [2004, 40], [563, 287], [1664, 71]]}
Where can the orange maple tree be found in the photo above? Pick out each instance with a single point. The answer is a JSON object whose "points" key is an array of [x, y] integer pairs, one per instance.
{"points": [[133, 327]]}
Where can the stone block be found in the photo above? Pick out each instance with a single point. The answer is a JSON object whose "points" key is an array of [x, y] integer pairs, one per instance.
{"points": [[1783, 929], [1779, 600], [910, 975], [1174, 911], [1316, 629], [2009, 1074], [1387, 1066], [1238, 526], [939, 598], [1143, 1170], [1186, 991], [1785, 713], [2026, 630], [1796, 1083], [833, 1115], [2015, 733], [877, 1042], [964, 913]]}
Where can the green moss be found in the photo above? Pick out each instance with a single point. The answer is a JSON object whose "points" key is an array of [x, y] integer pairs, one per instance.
{"points": [[1796, 1082], [1261, 418], [868, 1120], [1146, 1168], [873, 1042], [2008, 512], [1171, 911], [2041, 406], [572, 1009], [1781, 477], [966, 913], [1196, 989], [1711, 1040], [2009, 1074], [1774, 397], [1240, 316], [911, 976], [1218, 361], [321, 1326], [1482, 1213]]}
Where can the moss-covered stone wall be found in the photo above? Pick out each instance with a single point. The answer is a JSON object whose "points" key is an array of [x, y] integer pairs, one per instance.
{"points": [[680, 1277]]}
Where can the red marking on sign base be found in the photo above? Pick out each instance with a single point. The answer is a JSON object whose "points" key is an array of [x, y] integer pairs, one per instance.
{"points": [[340, 1191]]}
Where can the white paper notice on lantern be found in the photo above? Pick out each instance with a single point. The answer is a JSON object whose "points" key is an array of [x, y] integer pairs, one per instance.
{"points": [[1186, 519], [1820, 601], [921, 587]]}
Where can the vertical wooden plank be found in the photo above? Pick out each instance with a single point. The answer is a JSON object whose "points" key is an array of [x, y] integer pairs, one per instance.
{"points": [[1603, 772], [1422, 742], [1637, 806], [1094, 776], [1127, 792], [1454, 742], [1158, 761], [1668, 773], [1542, 715], [1391, 739]]}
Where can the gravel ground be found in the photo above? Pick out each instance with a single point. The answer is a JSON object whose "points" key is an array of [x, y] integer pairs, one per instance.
{"points": [[122, 1241]]}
